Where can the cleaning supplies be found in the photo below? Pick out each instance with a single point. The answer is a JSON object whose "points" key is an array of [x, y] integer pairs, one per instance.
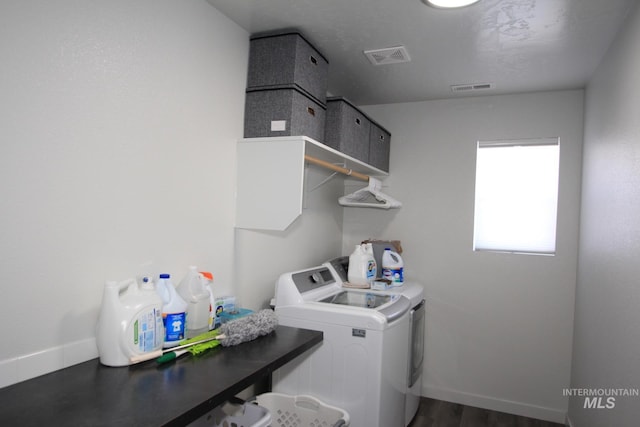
{"points": [[225, 303], [207, 281], [238, 313], [196, 296], [231, 333], [130, 322], [195, 347], [392, 267], [248, 328], [362, 265], [174, 312], [184, 344]]}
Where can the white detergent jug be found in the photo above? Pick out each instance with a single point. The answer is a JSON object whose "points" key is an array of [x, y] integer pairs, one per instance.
{"points": [[196, 296], [130, 322], [393, 267], [362, 265]]}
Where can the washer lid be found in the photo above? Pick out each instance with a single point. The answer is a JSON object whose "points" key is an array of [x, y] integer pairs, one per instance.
{"points": [[390, 306], [358, 299], [397, 309]]}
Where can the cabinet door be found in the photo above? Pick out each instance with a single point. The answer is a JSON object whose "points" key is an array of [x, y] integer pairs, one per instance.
{"points": [[270, 180]]}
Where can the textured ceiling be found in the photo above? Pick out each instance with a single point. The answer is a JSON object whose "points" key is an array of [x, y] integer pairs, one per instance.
{"points": [[516, 45]]}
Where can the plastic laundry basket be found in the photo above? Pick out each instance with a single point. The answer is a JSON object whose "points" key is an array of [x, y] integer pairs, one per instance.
{"points": [[301, 411], [236, 414]]}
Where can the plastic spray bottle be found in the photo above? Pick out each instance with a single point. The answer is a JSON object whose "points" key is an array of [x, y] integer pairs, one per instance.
{"points": [[207, 281], [196, 296]]}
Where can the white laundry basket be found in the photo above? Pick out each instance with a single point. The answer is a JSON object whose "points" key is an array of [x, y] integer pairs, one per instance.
{"points": [[235, 414], [301, 411]]}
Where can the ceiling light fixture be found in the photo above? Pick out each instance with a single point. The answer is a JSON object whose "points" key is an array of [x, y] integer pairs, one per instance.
{"points": [[449, 4]]}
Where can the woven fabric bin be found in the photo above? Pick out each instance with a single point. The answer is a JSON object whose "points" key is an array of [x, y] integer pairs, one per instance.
{"points": [[283, 111], [287, 59], [379, 147], [347, 129]]}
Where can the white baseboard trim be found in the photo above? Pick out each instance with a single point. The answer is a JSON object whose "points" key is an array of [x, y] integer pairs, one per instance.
{"points": [[33, 365], [567, 421], [501, 405]]}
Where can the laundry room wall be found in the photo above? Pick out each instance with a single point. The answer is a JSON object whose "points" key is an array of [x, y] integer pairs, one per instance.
{"points": [[119, 124], [314, 237], [607, 320], [119, 121], [499, 326]]}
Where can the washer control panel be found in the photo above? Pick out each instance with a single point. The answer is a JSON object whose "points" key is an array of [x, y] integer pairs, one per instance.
{"points": [[309, 280]]}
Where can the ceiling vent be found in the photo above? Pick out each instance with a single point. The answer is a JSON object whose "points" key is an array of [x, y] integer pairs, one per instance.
{"points": [[474, 87], [391, 55]]}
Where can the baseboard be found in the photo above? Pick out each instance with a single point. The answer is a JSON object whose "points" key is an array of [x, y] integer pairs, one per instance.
{"points": [[33, 365], [567, 421], [508, 406]]}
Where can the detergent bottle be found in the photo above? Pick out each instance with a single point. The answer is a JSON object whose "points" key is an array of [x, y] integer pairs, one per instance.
{"points": [[206, 278], [392, 267], [362, 266], [196, 296], [174, 312], [368, 249], [130, 321]]}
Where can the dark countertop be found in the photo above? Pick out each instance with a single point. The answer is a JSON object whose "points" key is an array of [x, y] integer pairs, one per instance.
{"points": [[147, 394]]}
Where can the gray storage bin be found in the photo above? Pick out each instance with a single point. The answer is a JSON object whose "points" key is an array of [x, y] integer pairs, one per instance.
{"points": [[286, 59], [283, 111], [347, 129], [379, 146]]}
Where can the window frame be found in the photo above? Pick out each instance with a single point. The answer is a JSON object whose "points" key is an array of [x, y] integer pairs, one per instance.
{"points": [[481, 244]]}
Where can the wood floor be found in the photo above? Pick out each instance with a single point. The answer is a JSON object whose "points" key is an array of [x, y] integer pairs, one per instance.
{"points": [[437, 413]]}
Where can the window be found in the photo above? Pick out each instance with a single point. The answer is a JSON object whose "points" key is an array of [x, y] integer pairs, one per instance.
{"points": [[517, 196]]}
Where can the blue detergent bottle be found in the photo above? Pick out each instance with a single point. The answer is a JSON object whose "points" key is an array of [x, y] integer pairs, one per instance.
{"points": [[174, 312]]}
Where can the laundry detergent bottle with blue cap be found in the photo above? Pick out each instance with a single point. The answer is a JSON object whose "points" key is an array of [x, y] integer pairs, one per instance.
{"points": [[130, 321], [362, 266], [174, 312]]}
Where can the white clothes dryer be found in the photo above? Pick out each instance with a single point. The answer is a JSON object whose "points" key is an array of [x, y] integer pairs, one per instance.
{"points": [[415, 293]]}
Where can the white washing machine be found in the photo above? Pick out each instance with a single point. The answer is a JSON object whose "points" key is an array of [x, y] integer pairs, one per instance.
{"points": [[415, 293], [362, 363]]}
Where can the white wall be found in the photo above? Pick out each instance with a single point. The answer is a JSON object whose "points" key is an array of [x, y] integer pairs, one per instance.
{"points": [[499, 326], [315, 237], [607, 318], [119, 123]]}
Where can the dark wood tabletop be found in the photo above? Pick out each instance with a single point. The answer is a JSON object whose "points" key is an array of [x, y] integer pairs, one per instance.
{"points": [[148, 394]]}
